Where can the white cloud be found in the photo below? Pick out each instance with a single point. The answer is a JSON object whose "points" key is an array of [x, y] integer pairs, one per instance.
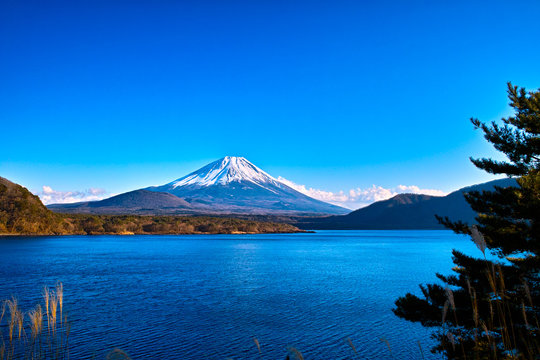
{"points": [[357, 198], [50, 196], [416, 190], [351, 199]]}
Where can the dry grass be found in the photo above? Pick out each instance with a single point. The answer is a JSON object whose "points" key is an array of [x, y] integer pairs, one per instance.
{"points": [[295, 353], [28, 339], [36, 321], [495, 333], [40, 344], [117, 354], [60, 297], [52, 344], [350, 343]]}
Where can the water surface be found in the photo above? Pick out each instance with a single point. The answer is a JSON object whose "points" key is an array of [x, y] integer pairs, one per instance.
{"points": [[207, 297]]}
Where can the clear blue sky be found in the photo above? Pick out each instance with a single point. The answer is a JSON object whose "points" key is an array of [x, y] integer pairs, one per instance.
{"points": [[334, 95]]}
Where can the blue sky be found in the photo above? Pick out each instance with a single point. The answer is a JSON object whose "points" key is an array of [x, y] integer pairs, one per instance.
{"points": [[334, 95]]}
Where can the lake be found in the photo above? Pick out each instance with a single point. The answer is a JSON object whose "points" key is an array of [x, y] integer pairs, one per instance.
{"points": [[208, 296]]}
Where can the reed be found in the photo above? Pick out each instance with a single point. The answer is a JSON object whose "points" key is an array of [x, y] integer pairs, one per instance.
{"points": [[421, 350], [36, 321], [384, 340], [39, 344], [117, 354], [53, 310], [52, 344], [14, 316], [257, 344], [294, 352], [350, 343], [4, 303], [60, 297], [494, 333], [46, 298]]}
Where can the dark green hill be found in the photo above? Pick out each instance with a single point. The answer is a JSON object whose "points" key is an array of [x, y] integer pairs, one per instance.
{"points": [[137, 202], [22, 212], [406, 211]]}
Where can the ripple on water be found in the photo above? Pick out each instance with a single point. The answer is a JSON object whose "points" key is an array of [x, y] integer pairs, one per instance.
{"points": [[192, 297]]}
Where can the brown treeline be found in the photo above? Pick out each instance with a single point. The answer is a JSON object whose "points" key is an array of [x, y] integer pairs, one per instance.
{"points": [[22, 213]]}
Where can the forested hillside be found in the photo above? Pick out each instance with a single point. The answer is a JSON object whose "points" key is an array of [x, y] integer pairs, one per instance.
{"points": [[22, 213]]}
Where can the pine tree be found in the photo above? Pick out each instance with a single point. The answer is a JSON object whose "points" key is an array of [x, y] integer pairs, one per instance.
{"points": [[490, 307]]}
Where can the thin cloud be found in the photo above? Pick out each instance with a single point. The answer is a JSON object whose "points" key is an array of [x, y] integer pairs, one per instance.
{"points": [[357, 198], [351, 199], [50, 196]]}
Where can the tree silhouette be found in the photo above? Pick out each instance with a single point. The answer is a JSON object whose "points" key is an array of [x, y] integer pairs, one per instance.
{"points": [[490, 308]]}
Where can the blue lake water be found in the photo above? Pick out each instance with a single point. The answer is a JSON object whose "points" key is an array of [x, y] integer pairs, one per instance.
{"points": [[207, 297]]}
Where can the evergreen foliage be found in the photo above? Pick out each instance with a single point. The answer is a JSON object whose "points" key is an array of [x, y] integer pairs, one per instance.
{"points": [[22, 213], [490, 309]]}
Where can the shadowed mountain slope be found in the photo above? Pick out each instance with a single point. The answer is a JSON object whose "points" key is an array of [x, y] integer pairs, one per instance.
{"points": [[235, 185], [231, 185], [133, 202], [406, 211]]}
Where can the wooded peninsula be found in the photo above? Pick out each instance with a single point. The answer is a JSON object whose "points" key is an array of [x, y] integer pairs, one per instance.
{"points": [[22, 213]]}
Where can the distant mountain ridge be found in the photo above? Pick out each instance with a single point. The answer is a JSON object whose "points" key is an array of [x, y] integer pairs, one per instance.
{"points": [[231, 185], [234, 186], [406, 211], [132, 202]]}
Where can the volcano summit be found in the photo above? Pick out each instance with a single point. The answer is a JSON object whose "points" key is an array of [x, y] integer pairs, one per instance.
{"points": [[231, 185]]}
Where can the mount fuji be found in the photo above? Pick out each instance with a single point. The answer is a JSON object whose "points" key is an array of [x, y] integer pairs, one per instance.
{"points": [[231, 185]]}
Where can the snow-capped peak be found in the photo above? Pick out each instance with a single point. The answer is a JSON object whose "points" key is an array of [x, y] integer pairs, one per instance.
{"points": [[224, 171]]}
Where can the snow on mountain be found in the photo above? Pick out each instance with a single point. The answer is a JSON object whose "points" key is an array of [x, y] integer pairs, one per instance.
{"points": [[225, 171], [233, 184]]}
